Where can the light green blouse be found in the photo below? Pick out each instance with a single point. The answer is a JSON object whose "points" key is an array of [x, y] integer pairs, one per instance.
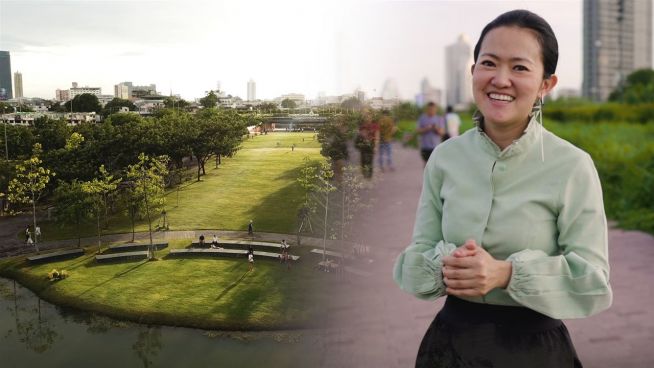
{"points": [[545, 216]]}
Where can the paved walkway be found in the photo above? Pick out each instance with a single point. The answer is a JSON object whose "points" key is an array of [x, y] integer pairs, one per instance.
{"points": [[12, 247], [374, 324]]}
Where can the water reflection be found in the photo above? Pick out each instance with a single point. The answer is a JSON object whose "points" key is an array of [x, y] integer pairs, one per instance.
{"points": [[31, 323], [148, 344], [34, 333]]}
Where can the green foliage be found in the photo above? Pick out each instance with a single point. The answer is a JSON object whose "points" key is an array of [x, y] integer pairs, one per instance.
{"points": [[29, 182], [176, 103], [73, 205], [287, 103], [333, 137], [114, 106], [86, 102], [209, 101], [98, 190], [74, 141], [637, 89], [352, 103], [406, 111], [607, 112], [624, 156]]}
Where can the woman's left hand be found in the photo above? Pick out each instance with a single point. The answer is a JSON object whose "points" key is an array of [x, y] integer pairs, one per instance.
{"points": [[474, 275]]}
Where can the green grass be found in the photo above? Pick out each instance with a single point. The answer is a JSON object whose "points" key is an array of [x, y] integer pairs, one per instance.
{"points": [[259, 183], [202, 292]]}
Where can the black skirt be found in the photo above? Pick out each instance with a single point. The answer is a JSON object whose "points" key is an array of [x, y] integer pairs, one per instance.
{"points": [[467, 334]]}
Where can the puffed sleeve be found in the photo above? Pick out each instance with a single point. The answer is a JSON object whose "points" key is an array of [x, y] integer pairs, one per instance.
{"points": [[574, 284], [418, 269]]}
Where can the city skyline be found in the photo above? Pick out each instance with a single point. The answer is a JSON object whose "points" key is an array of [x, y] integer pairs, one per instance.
{"points": [[307, 47]]}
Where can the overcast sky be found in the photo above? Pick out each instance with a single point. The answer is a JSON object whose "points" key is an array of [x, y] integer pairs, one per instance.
{"points": [[285, 46]]}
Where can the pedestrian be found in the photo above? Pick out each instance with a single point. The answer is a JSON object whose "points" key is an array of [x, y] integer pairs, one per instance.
{"points": [[366, 142], [250, 228], [430, 128], [387, 129], [293, 147], [453, 123], [251, 261], [510, 223], [27, 233], [37, 233]]}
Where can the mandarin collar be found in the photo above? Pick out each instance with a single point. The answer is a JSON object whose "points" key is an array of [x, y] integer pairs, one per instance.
{"points": [[519, 146]]}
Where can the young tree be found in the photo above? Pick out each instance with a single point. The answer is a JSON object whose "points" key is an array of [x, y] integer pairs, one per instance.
{"points": [[315, 179], [29, 183], [209, 101], [98, 189], [145, 190], [288, 103], [73, 205]]}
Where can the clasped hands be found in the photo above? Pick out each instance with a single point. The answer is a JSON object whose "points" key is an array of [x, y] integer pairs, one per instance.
{"points": [[471, 271]]}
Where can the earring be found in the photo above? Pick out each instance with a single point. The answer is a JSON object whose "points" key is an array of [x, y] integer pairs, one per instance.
{"points": [[538, 109]]}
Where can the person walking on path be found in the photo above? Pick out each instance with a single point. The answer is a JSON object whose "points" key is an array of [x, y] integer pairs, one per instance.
{"points": [[250, 261], [453, 123], [430, 128], [387, 129], [510, 223], [27, 233], [367, 141]]}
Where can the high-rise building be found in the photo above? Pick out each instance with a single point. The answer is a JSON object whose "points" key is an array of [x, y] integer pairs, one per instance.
{"points": [[252, 90], [18, 85], [5, 76], [390, 90], [122, 90], [428, 94], [617, 41], [458, 80]]}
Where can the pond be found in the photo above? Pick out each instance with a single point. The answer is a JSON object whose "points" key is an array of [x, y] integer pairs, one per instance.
{"points": [[34, 333]]}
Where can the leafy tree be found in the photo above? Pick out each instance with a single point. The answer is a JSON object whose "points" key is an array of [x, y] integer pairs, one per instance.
{"points": [[218, 133], [352, 103], [114, 106], [638, 88], [315, 180], [209, 101], [20, 141], [73, 205], [51, 134], [6, 108], [29, 183], [74, 141], [86, 102], [145, 189], [98, 191], [176, 103], [287, 103]]}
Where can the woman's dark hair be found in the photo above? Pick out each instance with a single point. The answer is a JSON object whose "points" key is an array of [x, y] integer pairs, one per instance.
{"points": [[525, 19]]}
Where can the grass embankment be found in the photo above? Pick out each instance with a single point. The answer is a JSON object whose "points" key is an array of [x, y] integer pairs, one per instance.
{"points": [[259, 183], [623, 154], [201, 292]]}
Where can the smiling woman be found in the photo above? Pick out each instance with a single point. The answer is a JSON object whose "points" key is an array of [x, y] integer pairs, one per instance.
{"points": [[515, 241]]}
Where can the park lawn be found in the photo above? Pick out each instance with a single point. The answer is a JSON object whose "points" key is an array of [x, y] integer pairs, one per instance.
{"points": [[201, 292], [258, 183]]}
